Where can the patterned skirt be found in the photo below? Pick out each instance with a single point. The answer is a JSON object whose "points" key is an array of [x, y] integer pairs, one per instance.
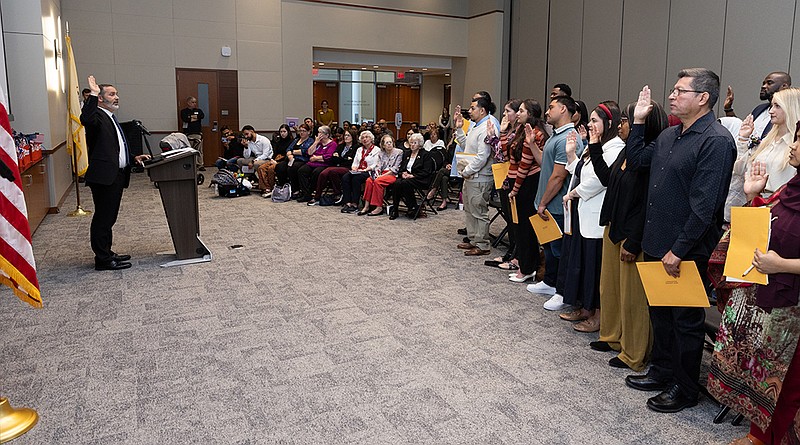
{"points": [[751, 355]]}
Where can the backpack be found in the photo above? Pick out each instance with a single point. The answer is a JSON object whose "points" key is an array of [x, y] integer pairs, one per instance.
{"points": [[282, 193], [228, 185]]}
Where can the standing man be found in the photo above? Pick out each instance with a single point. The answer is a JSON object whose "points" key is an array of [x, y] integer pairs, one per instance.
{"points": [[477, 174], [560, 89], [109, 171], [192, 118], [325, 115], [690, 169], [553, 184], [775, 81]]}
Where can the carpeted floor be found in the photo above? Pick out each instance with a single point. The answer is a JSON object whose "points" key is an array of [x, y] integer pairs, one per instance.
{"points": [[323, 328]]}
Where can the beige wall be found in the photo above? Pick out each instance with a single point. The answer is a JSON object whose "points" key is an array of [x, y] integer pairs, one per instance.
{"points": [[610, 49], [432, 96]]}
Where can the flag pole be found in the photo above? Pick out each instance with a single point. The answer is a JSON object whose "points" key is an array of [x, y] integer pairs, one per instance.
{"points": [[15, 422], [79, 211]]}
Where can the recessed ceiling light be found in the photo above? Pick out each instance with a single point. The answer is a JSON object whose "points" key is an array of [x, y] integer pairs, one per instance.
{"points": [[424, 69], [447, 74], [410, 71], [363, 67], [375, 66], [321, 63]]}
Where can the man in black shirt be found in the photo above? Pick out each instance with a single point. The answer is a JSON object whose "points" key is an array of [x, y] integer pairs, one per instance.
{"points": [[690, 171], [192, 118]]}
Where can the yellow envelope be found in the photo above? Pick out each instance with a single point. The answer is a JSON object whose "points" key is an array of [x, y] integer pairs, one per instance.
{"points": [[546, 231], [749, 230], [664, 290], [513, 204], [500, 172]]}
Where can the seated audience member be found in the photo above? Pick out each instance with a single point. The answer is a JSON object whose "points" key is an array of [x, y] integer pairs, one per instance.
{"points": [[755, 367], [403, 143], [363, 163], [382, 174], [415, 127], [257, 151], [582, 250], [296, 157], [434, 139], [311, 126], [342, 160], [345, 125], [320, 154], [441, 180], [625, 318], [416, 171], [232, 150], [266, 171], [338, 134]]}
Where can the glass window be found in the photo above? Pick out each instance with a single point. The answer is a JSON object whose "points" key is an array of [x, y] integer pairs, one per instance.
{"points": [[358, 75], [356, 101], [323, 74], [385, 76]]}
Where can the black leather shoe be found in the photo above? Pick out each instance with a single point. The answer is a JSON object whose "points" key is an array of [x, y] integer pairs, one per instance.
{"points": [[119, 258], [112, 265], [600, 346], [670, 401], [616, 362], [645, 383], [462, 231], [393, 216]]}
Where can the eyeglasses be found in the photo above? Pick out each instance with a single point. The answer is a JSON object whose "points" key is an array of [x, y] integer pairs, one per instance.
{"points": [[679, 91]]}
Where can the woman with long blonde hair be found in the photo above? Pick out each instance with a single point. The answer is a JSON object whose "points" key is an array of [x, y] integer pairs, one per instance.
{"points": [[774, 148]]}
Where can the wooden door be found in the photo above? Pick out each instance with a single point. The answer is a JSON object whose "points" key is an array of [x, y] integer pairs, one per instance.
{"points": [[218, 96], [326, 91]]}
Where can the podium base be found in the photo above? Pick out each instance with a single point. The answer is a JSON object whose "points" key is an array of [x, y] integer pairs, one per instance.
{"points": [[203, 259], [15, 422]]}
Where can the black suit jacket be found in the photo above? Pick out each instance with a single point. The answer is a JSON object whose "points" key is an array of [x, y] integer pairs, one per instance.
{"points": [[422, 169], [103, 145]]}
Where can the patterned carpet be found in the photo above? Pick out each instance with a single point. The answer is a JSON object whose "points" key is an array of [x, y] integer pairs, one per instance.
{"points": [[323, 328]]}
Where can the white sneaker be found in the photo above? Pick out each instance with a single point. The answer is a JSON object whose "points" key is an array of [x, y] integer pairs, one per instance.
{"points": [[523, 279], [556, 303], [541, 288], [267, 195]]}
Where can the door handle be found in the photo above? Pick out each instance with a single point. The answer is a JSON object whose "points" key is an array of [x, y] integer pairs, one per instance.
{"points": [[214, 126]]}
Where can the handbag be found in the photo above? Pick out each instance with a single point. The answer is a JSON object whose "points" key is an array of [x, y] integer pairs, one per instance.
{"points": [[282, 193]]}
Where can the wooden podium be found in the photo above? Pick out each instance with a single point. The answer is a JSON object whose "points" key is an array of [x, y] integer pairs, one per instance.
{"points": [[177, 181]]}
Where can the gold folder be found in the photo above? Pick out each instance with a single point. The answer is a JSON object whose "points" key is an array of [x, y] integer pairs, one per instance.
{"points": [[749, 230], [546, 231], [512, 202], [665, 290], [500, 172]]}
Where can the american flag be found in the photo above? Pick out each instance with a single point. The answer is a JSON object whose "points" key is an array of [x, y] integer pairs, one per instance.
{"points": [[17, 266]]}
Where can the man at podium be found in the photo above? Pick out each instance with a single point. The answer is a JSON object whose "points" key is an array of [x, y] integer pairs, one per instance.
{"points": [[109, 170]]}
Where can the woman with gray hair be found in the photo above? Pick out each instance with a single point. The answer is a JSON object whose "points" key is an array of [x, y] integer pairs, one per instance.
{"points": [[365, 159], [416, 171]]}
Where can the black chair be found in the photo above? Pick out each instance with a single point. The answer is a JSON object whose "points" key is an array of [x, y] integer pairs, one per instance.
{"points": [[438, 158]]}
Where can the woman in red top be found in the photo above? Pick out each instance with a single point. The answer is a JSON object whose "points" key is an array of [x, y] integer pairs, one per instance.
{"points": [[525, 155]]}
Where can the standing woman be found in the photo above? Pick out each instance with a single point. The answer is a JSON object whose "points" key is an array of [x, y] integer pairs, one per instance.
{"points": [[525, 155], [382, 174], [341, 160], [365, 159], [266, 171], [583, 249], [296, 155], [445, 123], [755, 368], [625, 318]]}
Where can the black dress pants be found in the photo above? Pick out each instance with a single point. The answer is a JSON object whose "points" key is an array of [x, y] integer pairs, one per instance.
{"points": [[678, 335], [307, 177], [404, 189], [351, 186], [525, 241], [107, 200]]}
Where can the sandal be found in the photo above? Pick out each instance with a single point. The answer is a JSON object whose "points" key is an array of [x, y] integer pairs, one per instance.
{"points": [[508, 266]]}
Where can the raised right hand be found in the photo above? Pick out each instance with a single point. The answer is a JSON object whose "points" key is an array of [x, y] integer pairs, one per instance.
{"points": [[458, 119], [643, 106], [490, 128], [728, 104], [503, 124], [755, 181], [95, 89], [747, 127], [572, 143], [530, 136]]}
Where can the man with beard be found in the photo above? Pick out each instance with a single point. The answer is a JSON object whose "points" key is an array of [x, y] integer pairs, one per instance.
{"points": [[774, 81]]}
